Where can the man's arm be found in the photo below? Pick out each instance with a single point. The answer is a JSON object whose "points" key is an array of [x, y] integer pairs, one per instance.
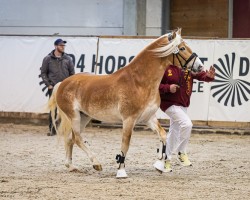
{"points": [[44, 71], [71, 67], [166, 88], [206, 76]]}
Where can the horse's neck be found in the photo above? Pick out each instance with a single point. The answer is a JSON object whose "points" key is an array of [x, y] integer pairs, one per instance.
{"points": [[147, 72], [148, 69]]}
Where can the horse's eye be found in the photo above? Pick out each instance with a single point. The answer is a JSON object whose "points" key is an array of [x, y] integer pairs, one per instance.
{"points": [[182, 48]]}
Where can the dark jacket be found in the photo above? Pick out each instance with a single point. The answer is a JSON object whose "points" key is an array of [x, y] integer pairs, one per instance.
{"points": [[55, 69], [175, 75]]}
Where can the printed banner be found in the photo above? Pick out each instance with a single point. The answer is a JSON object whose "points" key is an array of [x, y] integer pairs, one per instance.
{"points": [[225, 99], [21, 58], [115, 53], [230, 92]]}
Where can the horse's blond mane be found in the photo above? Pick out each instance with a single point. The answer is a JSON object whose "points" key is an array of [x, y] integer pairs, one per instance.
{"points": [[166, 50]]}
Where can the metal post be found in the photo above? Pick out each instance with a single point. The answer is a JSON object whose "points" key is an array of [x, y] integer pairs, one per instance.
{"points": [[129, 17], [230, 18], [165, 17]]}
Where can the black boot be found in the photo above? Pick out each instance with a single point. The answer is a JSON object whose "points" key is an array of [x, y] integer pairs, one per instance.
{"points": [[52, 131]]}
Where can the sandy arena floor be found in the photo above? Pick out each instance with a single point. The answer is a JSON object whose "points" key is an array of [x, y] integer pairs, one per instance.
{"points": [[32, 167]]}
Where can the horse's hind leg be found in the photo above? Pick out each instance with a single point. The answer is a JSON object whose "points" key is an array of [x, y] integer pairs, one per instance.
{"points": [[77, 130], [64, 128], [154, 124], [69, 143]]}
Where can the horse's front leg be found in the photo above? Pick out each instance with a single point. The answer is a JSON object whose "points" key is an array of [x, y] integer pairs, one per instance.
{"points": [[128, 126], [154, 124]]}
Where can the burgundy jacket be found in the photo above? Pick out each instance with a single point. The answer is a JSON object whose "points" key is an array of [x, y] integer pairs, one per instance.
{"points": [[175, 75]]}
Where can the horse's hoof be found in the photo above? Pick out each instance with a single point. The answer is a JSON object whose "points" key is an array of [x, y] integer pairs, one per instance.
{"points": [[121, 173], [73, 169], [158, 170], [159, 166], [97, 167]]}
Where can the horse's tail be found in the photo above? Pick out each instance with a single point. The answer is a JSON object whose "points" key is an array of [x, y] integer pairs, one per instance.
{"points": [[61, 118], [53, 106], [65, 127]]}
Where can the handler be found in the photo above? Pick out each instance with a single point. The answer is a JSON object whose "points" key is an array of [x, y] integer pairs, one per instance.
{"points": [[56, 67], [175, 91]]}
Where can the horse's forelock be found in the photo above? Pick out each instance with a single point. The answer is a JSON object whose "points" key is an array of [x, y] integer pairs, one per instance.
{"points": [[165, 50]]}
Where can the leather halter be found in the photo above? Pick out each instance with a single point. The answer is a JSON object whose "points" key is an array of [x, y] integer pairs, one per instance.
{"points": [[184, 67], [176, 53]]}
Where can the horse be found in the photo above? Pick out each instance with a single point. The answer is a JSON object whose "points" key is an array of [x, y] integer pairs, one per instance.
{"points": [[128, 96]]}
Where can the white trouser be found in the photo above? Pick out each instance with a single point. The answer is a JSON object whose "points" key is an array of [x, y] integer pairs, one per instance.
{"points": [[179, 130]]}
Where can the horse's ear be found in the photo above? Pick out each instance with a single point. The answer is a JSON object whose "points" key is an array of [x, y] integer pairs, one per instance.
{"points": [[179, 31], [176, 32]]}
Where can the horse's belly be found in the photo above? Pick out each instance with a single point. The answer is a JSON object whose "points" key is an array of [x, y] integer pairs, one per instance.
{"points": [[106, 115], [108, 118]]}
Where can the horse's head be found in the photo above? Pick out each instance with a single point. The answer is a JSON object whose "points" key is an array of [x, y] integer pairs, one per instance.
{"points": [[178, 52]]}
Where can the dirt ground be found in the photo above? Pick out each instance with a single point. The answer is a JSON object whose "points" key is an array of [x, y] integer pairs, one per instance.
{"points": [[32, 167]]}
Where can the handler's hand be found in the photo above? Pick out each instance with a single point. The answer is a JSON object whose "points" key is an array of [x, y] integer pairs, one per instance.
{"points": [[174, 88], [50, 87], [211, 72]]}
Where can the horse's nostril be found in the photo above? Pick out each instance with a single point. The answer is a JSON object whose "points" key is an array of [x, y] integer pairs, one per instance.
{"points": [[200, 68]]}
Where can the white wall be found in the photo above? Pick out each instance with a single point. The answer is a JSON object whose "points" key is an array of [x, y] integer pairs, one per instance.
{"points": [[153, 17], [76, 17]]}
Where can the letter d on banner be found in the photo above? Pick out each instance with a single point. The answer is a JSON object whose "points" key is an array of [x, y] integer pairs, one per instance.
{"points": [[244, 71]]}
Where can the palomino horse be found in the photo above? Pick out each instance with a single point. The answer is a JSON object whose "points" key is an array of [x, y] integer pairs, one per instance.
{"points": [[130, 95]]}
